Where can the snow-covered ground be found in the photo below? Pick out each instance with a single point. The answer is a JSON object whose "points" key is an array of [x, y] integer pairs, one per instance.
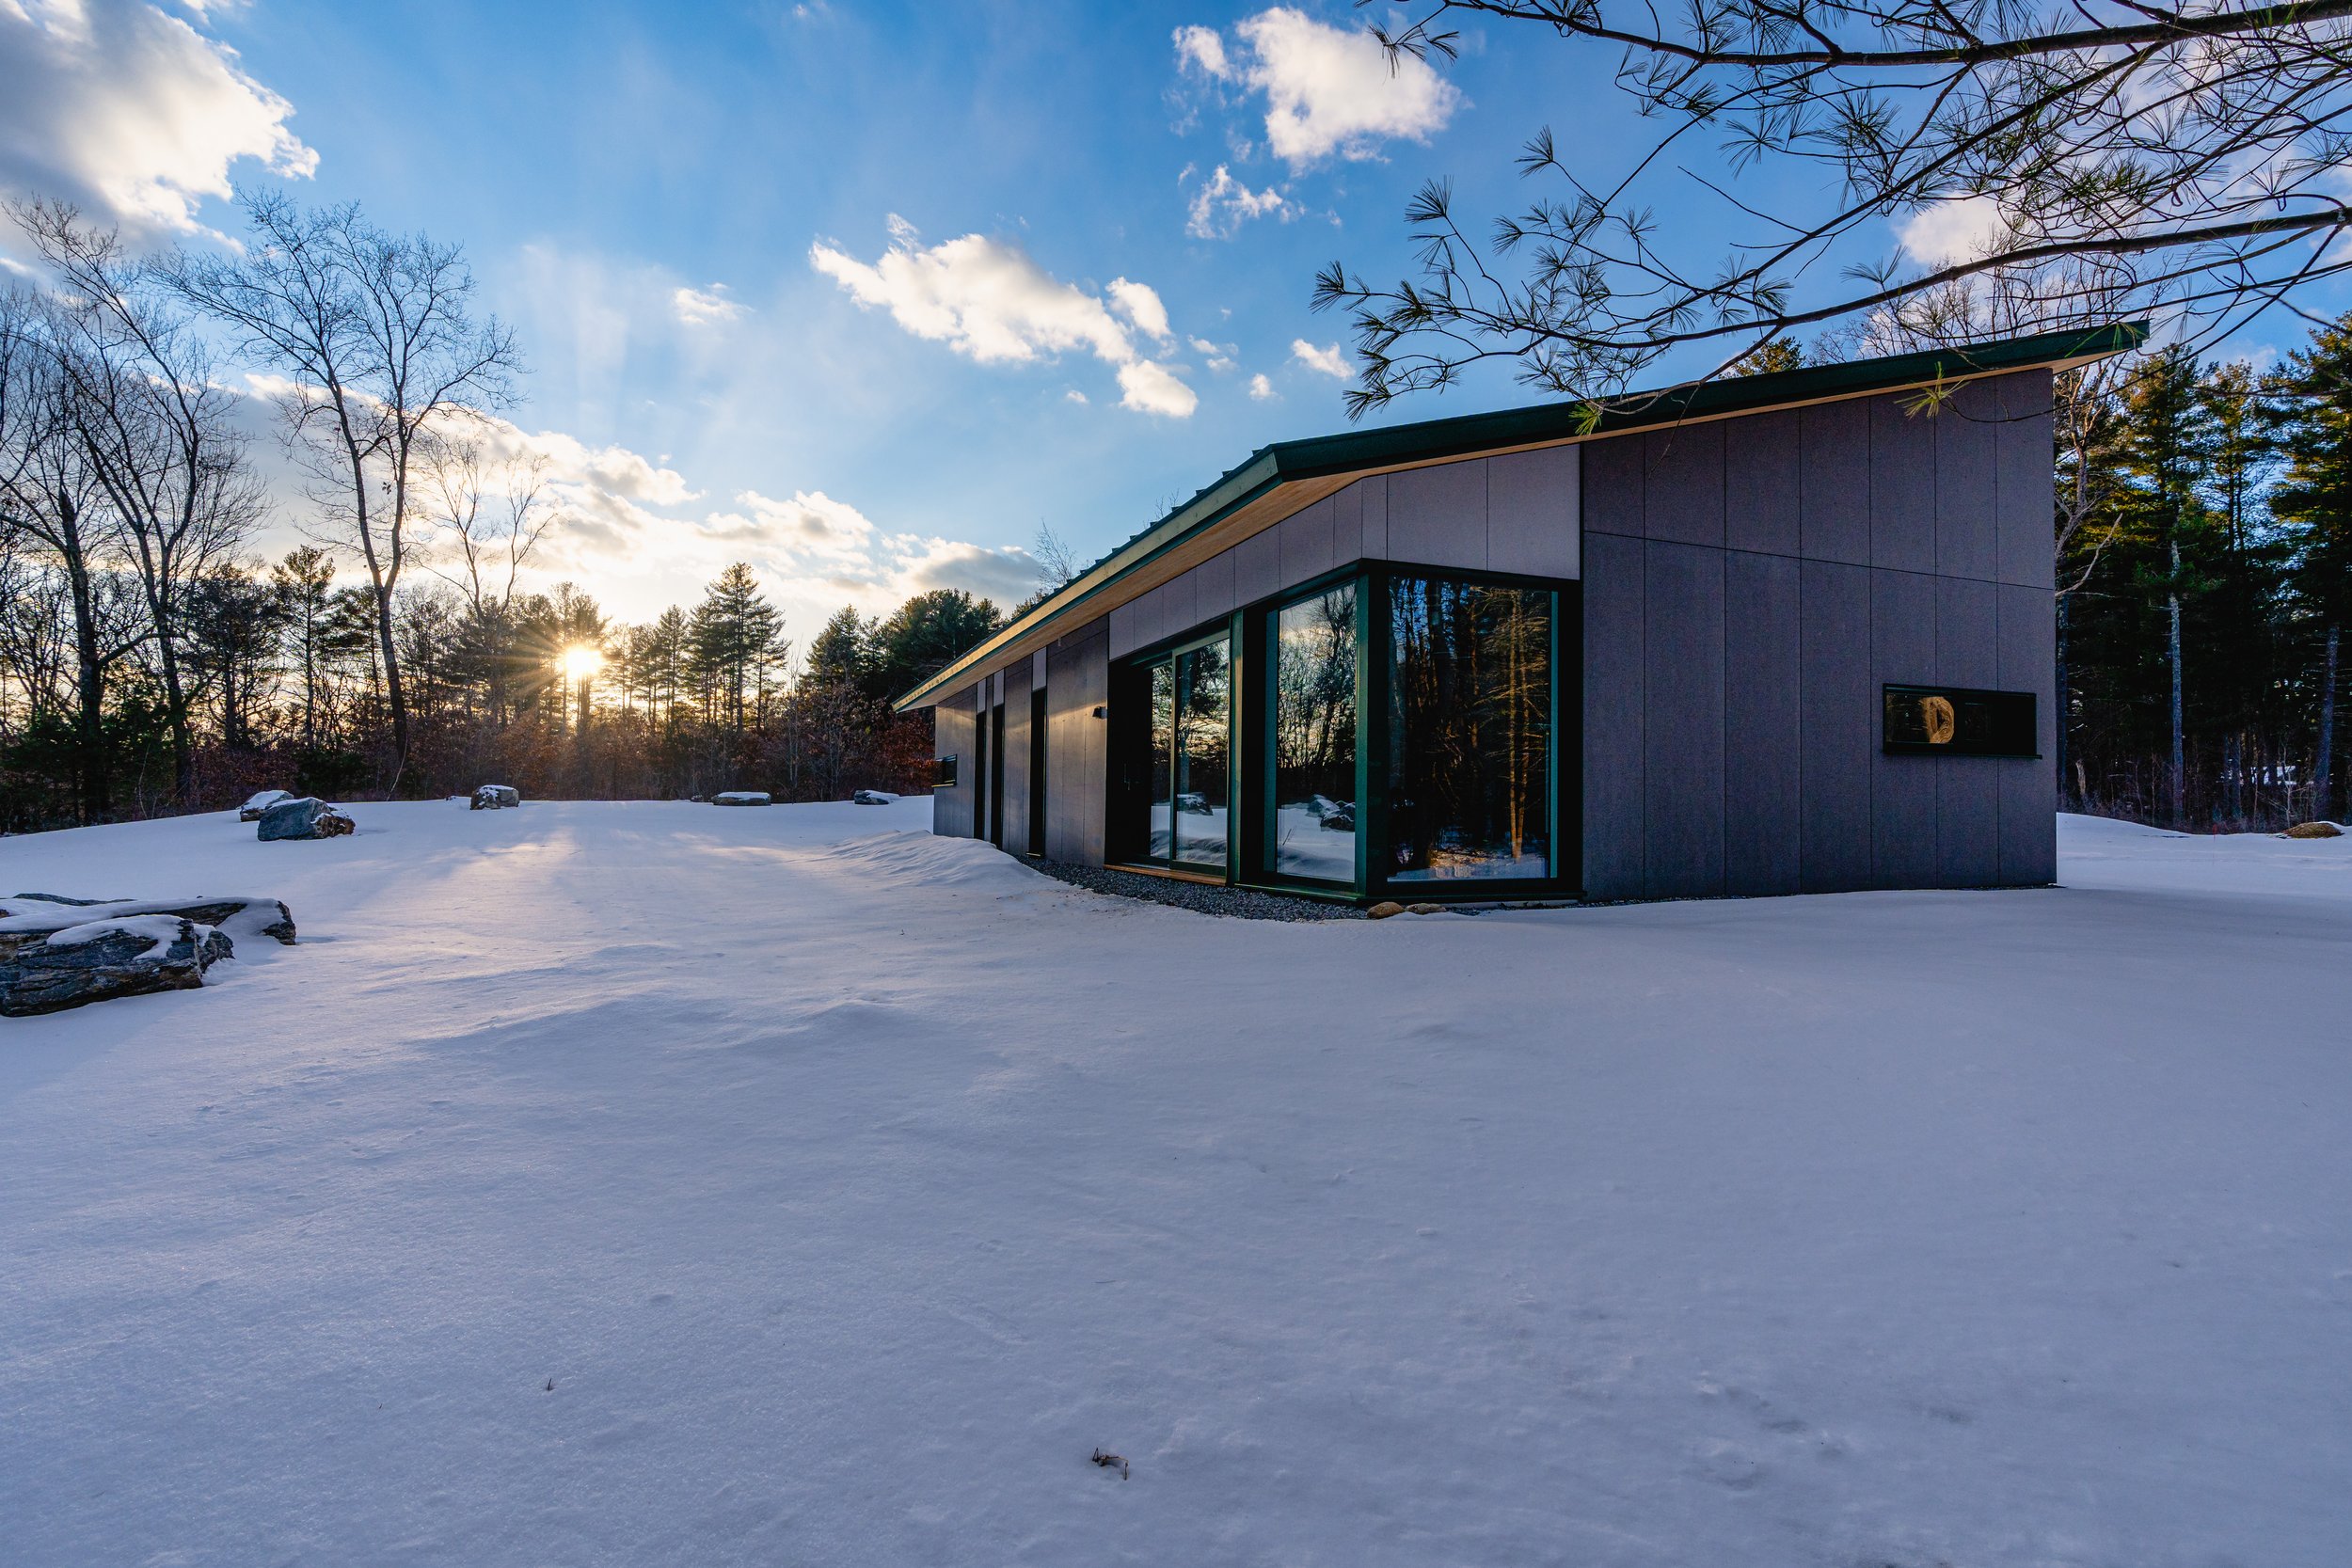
{"points": [[660, 1185]]}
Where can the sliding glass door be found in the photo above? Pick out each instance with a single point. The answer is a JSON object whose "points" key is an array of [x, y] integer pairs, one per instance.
{"points": [[1186, 795]]}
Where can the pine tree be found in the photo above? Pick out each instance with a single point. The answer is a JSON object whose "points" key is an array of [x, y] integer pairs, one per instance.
{"points": [[736, 645], [2164, 459], [2313, 505]]}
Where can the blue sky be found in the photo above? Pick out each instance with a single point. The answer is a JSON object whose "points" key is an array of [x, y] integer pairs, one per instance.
{"points": [[860, 293]]}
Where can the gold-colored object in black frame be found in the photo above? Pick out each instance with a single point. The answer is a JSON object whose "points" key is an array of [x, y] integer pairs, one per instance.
{"points": [[1957, 721]]}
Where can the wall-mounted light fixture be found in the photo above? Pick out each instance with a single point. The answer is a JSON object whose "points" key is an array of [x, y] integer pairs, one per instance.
{"points": [[1100, 710]]}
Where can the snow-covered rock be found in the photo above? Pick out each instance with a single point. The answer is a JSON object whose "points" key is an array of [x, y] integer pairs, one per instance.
{"points": [[872, 797], [307, 817], [93, 960], [493, 796], [260, 802], [740, 798]]}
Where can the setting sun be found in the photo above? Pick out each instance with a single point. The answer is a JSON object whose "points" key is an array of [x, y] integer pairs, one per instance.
{"points": [[581, 662]]}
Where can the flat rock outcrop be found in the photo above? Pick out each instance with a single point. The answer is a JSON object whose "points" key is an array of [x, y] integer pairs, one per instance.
{"points": [[57, 952]]}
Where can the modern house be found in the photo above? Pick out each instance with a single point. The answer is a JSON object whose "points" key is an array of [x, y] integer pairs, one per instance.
{"points": [[1784, 633]]}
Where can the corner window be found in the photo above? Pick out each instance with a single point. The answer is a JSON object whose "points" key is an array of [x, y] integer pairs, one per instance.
{"points": [[1469, 730]]}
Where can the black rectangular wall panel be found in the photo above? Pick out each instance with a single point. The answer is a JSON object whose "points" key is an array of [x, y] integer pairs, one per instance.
{"points": [[2023, 498], [1903, 844], [1761, 486], [1833, 483], [952, 736], [1612, 716], [1967, 429], [1839, 724], [1902, 486], [1683, 479], [2029, 787], [1762, 738], [1968, 649], [1682, 720]]}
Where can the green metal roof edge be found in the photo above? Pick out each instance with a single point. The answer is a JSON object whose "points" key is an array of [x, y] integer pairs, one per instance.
{"points": [[1466, 434]]}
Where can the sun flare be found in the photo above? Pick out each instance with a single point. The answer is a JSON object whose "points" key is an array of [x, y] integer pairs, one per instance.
{"points": [[580, 663]]}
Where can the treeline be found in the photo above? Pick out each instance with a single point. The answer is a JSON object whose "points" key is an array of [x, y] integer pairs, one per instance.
{"points": [[150, 664], [2204, 520]]}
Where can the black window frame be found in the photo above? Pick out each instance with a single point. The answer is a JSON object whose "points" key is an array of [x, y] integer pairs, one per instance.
{"points": [[1119, 843]]}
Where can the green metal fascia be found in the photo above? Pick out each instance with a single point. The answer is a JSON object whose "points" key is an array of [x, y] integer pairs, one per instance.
{"points": [[1467, 435]]}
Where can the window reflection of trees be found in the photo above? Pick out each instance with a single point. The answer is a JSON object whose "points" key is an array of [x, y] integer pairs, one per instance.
{"points": [[1313, 822], [1204, 745], [1469, 730]]}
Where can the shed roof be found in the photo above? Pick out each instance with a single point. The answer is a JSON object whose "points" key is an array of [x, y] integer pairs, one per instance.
{"points": [[1286, 476]]}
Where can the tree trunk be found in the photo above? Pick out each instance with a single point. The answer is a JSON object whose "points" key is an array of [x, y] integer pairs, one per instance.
{"points": [[2321, 767], [93, 783], [176, 705], [2172, 610], [393, 696]]}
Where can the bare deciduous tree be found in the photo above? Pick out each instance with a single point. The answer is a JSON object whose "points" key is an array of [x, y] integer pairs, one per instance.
{"points": [[156, 428], [384, 355]]}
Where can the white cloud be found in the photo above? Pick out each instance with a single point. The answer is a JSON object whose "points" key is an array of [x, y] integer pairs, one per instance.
{"points": [[1328, 91], [1260, 387], [131, 113], [700, 306], [1201, 48], [988, 300], [1140, 303], [1961, 230], [1074, 395], [1223, 204], [1150, 387], [1331, 361]]}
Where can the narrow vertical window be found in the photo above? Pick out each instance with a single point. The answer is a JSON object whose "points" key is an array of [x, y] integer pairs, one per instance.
{"points": [[1313, 822], [1469, 730], [1205, 710], [1163, 761]]}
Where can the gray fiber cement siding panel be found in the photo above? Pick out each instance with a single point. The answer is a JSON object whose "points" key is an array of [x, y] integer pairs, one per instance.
{"points": [[2025, 506], [1833, 488], [1438, 515], [1612, 492], [1902, 487], [2029, 787], [1612, 717], [1306, 542], [951, 737], [1016, 700], [1968, 826], [1374, 492], [1077, 680], [1762, 739], [1682, 720], [1257, 569], [1903, 847], [1682, 477], [1532, 511], [1839, 725], [1761, 485]]}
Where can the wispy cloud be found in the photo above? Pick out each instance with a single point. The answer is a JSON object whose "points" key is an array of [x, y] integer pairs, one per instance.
{"points": [[702, 307], [1223, 204]]}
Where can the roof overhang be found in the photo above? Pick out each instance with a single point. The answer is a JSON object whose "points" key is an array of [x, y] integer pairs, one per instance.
{"points": [[1289, 476]]}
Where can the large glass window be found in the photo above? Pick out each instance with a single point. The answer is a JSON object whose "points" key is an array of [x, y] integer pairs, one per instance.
{"points": [[1203, 755], [1469, 730], [1187, 783], [1311, 825]]}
